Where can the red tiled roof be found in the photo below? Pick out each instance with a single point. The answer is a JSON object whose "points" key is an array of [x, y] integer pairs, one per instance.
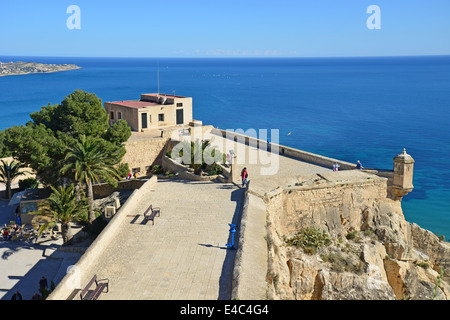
{"points": [[135, 104]]}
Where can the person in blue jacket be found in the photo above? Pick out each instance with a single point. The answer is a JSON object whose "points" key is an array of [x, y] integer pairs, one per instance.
{"points": [[359, 165]]}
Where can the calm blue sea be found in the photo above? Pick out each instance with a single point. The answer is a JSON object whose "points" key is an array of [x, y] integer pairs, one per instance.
{"points": [[365, 109]]}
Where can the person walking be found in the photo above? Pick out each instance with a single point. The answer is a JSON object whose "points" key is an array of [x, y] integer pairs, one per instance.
{"points": [[244, 177], [43, 283]]}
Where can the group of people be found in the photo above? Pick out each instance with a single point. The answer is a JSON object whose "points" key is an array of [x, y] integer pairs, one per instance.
{"points": [[336, 166], [8, 233], [43, 285], [18, 296], [135, 175]]}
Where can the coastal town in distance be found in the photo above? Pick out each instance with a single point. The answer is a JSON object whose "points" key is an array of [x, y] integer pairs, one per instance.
{"points": [[21, 68]]}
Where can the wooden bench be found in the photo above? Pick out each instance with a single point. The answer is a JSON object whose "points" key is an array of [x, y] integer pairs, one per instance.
{"points": [[151, 213], [100, 286]]}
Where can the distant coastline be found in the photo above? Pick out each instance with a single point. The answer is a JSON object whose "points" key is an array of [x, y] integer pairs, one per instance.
{"points": [[22, 68]]}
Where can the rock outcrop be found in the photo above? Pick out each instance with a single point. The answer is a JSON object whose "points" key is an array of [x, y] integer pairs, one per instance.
{"points": [[373, 252]]}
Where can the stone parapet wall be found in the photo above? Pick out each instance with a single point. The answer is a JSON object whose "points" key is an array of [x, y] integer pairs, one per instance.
{"points": [[78, 279], [105, 189], [284, 150], [171, 165], [250, 267], [336, 205]]}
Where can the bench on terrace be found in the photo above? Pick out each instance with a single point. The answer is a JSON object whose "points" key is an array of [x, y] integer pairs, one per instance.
{"points": [[100, 285], [151, 213]]}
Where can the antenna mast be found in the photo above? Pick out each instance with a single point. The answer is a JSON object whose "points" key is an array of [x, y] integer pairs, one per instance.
{"points": [[158, 79]]}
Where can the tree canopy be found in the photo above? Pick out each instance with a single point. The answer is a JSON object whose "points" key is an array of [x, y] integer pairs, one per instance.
{"points": [[63, 207], [42, 144], [88, 162], [9, 172]]}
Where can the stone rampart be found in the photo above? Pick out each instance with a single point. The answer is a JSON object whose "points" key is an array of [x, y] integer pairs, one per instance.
{"points": [[105, 189], [284, 150], [77, 279], [250, 267], [337, 205]]}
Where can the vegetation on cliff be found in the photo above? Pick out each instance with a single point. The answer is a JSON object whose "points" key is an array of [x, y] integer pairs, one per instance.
{"points": [[309, 239], [351, 242]]}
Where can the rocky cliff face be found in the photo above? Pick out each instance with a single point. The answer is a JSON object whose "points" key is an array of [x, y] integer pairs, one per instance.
{"points": [[371, 251]]}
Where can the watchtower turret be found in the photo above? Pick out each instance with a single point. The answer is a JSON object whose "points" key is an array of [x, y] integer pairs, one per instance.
{"points": [[402, 183]]}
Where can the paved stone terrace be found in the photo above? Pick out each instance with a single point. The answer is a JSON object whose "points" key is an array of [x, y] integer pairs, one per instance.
{"points": [[184, 254], [259, 161]]}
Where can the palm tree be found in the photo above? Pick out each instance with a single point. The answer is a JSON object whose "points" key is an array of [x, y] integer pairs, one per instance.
{"points": [[197, 154], [89, 163], [63, 207], [9, 172]]}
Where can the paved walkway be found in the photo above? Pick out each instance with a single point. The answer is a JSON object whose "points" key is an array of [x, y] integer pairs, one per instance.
{"points": [[184, 254], [266, 170]]}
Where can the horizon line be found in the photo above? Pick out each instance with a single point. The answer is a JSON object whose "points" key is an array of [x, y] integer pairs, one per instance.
{"points": [[229, 57]]}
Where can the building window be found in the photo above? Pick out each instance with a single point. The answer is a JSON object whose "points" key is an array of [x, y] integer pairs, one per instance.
{"points": [[119, 115], [179, 105], [161, 117], [112, 115]]}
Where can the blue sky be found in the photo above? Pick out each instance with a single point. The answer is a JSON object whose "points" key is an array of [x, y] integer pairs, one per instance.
{"points": [[213, 28]]}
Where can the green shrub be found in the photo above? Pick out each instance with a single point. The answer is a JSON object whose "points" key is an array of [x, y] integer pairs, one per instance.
{"points": [[340, 263], [351, 235], [156, 169], [28, 183], [309, 239], [423, 264], [215, 169]]}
